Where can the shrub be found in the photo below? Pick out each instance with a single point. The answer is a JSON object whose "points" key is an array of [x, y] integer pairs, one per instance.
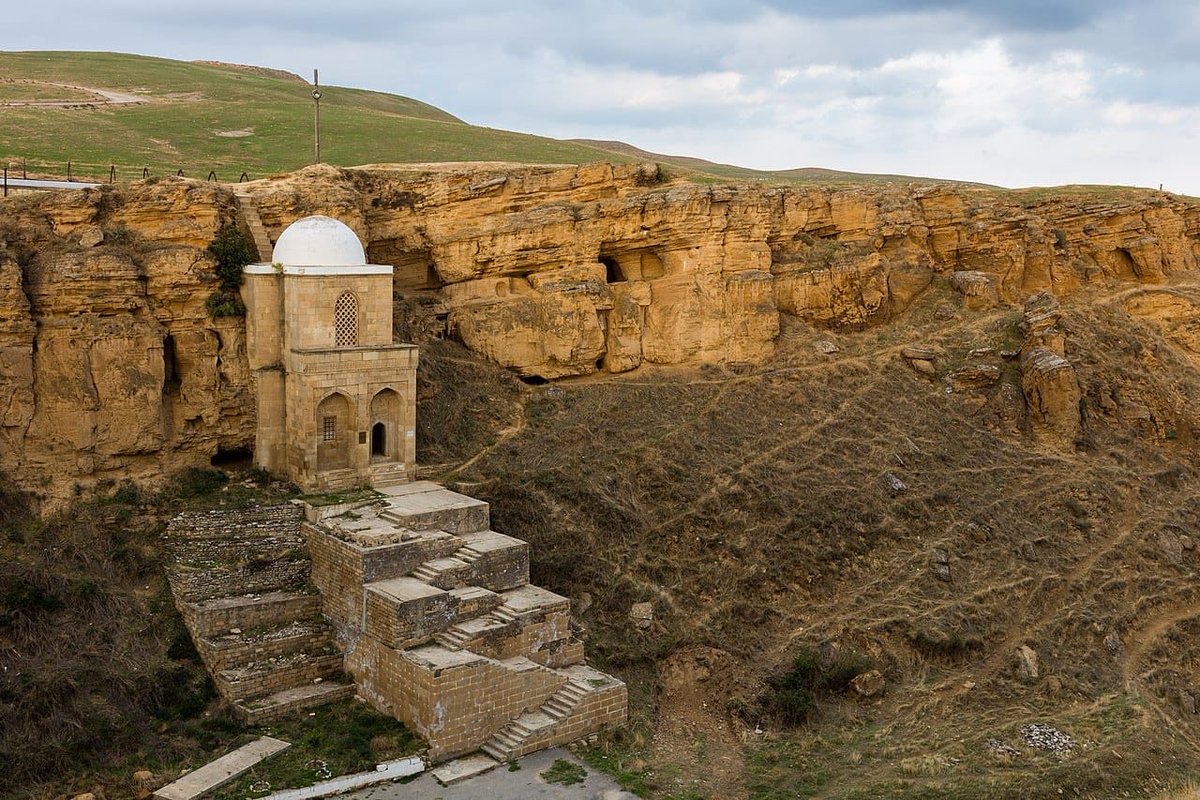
{"points": [[225, 304], [232, 253], [793, 695], [198, 481]]}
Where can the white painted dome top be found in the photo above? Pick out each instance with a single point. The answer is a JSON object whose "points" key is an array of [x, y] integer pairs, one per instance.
{"points": [[319, 241]]}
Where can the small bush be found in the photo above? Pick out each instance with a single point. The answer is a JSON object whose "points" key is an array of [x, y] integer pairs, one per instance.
{"points": [[951, 646], [225, 304], [199, 481], [232, 253], [118, 235], [793, 696]]}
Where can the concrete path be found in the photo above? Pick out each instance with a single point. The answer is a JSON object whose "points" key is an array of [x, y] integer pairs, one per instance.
{"points": [[502, 784], [221, 771], [29, 183]]}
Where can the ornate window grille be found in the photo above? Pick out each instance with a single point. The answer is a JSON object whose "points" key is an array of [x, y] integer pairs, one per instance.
{"points": [[345, 320], [330, 431]]}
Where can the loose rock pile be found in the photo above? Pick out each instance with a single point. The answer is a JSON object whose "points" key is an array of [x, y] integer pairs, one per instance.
{"points": [[1047, 737]]}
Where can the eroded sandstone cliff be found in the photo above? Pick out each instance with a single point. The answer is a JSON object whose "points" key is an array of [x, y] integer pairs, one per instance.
{"points": [[112, 366]]}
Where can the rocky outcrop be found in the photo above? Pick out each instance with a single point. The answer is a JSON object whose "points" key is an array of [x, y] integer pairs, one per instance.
{"points": [[111, 367], [570, 270]]}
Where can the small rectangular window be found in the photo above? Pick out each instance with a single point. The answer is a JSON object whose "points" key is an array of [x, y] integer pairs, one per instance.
{"points": [[330, 432]]}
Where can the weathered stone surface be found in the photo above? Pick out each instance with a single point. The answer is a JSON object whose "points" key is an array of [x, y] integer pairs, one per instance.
{"points": [[1051, 392], [552, 271], [642, 615], [1027, 663], [975, 376], [869, 684], [978, 288]]}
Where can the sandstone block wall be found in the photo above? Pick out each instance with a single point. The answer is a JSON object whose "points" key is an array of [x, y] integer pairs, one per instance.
{"points": [[455, 703]]}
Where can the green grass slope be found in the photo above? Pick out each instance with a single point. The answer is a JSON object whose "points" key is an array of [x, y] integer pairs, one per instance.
{"points": [[202, 117]]}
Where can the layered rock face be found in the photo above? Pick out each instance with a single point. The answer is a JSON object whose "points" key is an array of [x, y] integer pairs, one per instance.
{"points": [[111, 367], [567, 271]]}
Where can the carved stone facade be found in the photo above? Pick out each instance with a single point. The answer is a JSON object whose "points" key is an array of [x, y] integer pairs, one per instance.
{"points": [[336, 399]]}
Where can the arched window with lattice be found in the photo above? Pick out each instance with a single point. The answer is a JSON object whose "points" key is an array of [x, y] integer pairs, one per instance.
{"points": [[345, 320]]}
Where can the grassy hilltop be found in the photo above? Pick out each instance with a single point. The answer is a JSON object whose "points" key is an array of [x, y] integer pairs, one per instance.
{"points": [[200, 117], [227, 118]]}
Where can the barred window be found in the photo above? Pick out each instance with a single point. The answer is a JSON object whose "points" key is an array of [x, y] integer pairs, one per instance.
{"points": [[330, 431], [345, 320]]}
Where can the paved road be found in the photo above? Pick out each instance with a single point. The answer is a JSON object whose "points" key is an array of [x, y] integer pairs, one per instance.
{"points": [[502, 784]]}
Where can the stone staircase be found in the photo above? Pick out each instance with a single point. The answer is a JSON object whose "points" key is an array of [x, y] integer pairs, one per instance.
{"points": [[414, 595], [242, 588], [445, 630], [563, 717], [254, 226]]}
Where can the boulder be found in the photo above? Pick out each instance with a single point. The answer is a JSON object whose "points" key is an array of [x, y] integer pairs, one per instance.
{"points": [[868, 684], [1027, 663]]}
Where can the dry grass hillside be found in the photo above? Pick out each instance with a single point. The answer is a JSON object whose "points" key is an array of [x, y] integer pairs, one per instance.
{"points": [[845, 508]]}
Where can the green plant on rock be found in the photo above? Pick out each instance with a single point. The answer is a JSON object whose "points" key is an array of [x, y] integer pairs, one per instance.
{"points": [[225, 304], [232, 253]]}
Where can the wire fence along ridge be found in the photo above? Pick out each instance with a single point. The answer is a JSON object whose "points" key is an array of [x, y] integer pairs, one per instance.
{"points": [[92, 172]]}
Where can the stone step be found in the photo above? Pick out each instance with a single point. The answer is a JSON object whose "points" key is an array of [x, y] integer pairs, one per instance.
{"points": [[486, 559], [255, 644], [452, 640], [495, 752], [423, 505], [503, 737], [271, 675], [258, 232], [214, 617], [505, 614], [289, 701], [557, 708]]}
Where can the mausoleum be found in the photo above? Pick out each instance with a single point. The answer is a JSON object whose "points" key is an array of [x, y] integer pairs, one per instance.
{"points": [[336, 399]]}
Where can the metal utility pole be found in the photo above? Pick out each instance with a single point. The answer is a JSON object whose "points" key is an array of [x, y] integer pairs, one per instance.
{"points": [[316, 95]]}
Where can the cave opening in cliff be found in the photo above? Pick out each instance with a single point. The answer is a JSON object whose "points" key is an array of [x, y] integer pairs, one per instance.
{"points": [[612, 270], [232, 457], [413, 270], [1126, 266], [534, 380], [170, 364]]}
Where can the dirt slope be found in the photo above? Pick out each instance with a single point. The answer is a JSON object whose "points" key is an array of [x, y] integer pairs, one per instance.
{"points": [[757, 511]]}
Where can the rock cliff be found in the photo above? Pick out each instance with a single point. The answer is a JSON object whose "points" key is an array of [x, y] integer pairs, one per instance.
{"points": [[112, 366]]}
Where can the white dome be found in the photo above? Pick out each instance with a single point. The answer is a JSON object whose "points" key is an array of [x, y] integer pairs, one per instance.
{"points": [[318, 241]]}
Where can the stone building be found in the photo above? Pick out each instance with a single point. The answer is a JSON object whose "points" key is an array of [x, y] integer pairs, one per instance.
{"points": [[406, 598], [336, 398]]}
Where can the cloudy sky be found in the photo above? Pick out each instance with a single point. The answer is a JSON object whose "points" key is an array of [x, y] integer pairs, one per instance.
{"points": [[1013, 92]]}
